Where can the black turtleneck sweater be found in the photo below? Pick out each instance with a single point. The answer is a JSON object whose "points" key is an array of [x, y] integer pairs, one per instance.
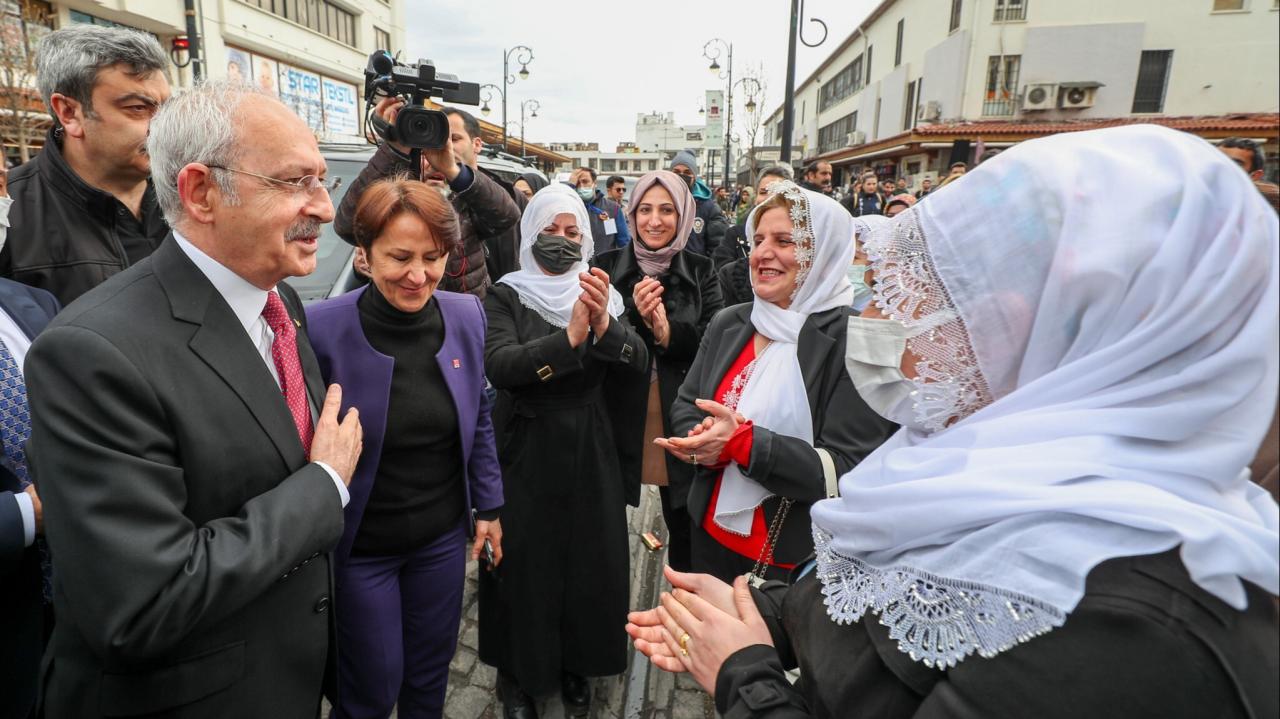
{"points": [[417, 493]]}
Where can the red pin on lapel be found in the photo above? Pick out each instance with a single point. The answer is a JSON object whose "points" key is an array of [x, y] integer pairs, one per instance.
{"points": [[457, 364]]}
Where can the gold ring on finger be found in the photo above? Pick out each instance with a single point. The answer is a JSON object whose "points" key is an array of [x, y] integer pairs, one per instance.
{"points": [[684, 644]]}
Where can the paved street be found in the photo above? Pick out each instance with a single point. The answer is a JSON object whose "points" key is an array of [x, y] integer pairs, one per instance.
{"points": [[643, 692]]}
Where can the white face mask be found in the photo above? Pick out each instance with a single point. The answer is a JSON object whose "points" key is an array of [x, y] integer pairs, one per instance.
{"points": [[873, 358]]}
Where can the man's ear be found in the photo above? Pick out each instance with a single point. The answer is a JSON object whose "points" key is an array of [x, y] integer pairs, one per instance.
{"points": [[477, 146], [69, 113], [198, 193]]}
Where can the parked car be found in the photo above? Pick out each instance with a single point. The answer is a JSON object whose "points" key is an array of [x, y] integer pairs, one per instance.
{"points": [[334, 273]]}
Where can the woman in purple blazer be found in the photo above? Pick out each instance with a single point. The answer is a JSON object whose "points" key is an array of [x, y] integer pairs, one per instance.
{"points": [[411, 359]]}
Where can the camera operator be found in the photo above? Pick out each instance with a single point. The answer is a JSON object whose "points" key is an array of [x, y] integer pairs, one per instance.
{"points": [[486, 213]]}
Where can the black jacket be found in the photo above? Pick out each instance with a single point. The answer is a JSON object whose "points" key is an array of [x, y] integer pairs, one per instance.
{"points": [[842, 422], [1145, 641], [691, 296], [734, 245], [66, 236], [859, 204], [708, 228], [735, 282], [486, 216]]}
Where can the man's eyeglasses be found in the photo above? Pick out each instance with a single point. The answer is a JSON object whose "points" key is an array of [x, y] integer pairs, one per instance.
{"points": [[310, 184]]}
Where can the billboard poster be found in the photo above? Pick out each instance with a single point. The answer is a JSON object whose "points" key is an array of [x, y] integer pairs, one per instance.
{"points": [[714, 135], [300, 90], [341, 111], [238, 66], [265, 72]]}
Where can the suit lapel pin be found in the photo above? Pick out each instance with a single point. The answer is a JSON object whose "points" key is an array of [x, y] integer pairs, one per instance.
{"points": [[298, 324], [457, 364]]}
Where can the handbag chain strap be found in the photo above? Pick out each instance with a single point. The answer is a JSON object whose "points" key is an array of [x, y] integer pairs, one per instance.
{"points": [[756, 576]]}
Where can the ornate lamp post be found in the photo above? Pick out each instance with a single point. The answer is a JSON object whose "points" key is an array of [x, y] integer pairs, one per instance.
{"points": [[789, 97], [532, 106], [524, 56], [712, 51]]}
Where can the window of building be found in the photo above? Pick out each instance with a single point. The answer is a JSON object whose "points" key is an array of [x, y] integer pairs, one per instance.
{"points": [[607, 165], [1153, 79], [321, 16], [909, 113], [1010, 11], [868, 61], [653, 165], [897, 50], [1002, 84], [1220, 5], [836, 135], [842, 85], [381, 39], [84, 18], [955, 16]]}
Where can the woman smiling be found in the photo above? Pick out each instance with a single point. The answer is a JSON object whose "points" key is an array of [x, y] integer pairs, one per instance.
{"points": [[670, 296], [411, 359], [768, 394]]}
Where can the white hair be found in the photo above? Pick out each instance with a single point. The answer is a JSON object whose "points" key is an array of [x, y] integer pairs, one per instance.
{"points": [[198, 125]]}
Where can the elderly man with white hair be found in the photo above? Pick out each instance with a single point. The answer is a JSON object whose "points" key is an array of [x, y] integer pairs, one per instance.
{"points": [[192, 467]]}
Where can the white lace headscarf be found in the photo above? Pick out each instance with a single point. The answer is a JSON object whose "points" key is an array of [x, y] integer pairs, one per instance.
{"points": [[553, 296], [775, 397], [1110, 369]]}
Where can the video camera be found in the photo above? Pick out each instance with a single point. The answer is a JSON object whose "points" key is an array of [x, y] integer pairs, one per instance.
{"points": [[415, 126]]}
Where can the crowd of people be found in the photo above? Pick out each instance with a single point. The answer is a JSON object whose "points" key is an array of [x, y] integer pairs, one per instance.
{"points": [[1004, 416]]}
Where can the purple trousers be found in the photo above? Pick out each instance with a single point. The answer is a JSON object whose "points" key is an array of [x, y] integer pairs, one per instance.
{"points": [[397, 630]]}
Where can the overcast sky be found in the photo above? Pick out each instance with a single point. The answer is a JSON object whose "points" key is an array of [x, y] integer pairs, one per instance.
{"points": [[597, 64]]}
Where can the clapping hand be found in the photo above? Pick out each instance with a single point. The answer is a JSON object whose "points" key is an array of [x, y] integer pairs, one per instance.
{"points": [[707, 439], [693, 630], [647, 295], [595, 295]]}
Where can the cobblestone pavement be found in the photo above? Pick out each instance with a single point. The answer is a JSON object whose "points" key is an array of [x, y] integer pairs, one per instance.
{"points": [[642, 692]]}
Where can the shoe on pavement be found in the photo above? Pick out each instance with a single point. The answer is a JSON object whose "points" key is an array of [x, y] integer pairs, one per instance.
{"points": [[576, 692], [515, 703]]}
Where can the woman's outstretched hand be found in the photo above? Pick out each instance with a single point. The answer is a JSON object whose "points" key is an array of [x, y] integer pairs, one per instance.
{"points": [[693, 633], [706, 441]]}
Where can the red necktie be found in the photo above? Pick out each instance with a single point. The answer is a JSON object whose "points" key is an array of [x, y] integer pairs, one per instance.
{"points": [[284, 350]]}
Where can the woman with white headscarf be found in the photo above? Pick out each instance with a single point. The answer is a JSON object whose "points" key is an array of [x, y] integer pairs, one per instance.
{"points": [[552, 612], [767, 402], [1061, 528], [670, 296]]}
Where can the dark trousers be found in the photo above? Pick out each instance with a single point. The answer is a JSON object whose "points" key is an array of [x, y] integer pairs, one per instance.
{"points": [[679, 533], [398, 628]]}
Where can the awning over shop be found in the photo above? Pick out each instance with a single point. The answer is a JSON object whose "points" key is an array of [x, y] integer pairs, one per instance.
{"points": [[1001, 133]]}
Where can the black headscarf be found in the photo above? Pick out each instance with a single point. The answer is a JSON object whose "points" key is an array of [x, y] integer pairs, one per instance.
{"points": [[534, 180]]}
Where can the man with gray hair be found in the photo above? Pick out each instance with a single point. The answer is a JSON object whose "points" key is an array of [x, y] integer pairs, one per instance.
{"points": [[84, 209], [193, 469]]}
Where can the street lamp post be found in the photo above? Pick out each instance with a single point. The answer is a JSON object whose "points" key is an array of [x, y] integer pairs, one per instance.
{"points": [[712, 51], [532, 106], [524, 57], [788, 100]]}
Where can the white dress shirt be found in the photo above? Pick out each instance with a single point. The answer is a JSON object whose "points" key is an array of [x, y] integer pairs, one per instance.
{"points": [[247, 302], [18, 343], [5, 202]]}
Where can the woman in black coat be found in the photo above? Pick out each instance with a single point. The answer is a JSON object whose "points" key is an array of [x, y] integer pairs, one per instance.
{"points": [[1061, 528], [670, 296], [768, 394], [553, 612]]}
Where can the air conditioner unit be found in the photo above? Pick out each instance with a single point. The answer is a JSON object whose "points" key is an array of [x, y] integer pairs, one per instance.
{"points": [[1077, 95], [857, 137], [930, 111], [1040, 96]]}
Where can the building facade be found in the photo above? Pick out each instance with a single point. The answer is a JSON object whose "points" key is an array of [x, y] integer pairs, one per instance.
{"points": [[922, 83], [627, 160]]}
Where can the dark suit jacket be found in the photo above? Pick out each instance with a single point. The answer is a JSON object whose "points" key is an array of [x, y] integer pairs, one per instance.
{"points": [[347, 358], [842, 422], [189, 529], [21, 614]]}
